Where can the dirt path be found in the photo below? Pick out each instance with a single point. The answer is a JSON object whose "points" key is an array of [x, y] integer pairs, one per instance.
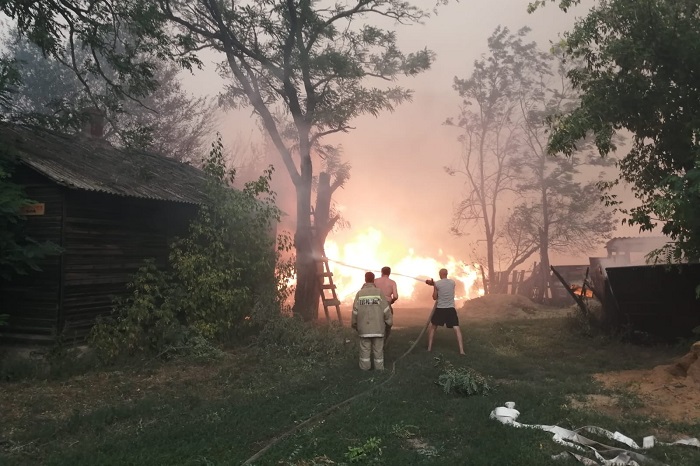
{"points": [[670, 391]]}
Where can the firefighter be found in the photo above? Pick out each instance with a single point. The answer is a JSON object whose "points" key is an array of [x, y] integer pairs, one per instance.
{"points": [[370, 316]]}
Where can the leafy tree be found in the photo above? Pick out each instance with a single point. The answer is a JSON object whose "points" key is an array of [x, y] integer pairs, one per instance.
{"points": [[304, 68], [18, 253], [641, 76], [9, 79], [115, 35], [507, 101], [561, 213], [51, 94], [491, 139]]}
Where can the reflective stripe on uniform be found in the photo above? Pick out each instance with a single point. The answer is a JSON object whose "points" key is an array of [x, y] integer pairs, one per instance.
{"points": [[365, 359], [372, 335]]}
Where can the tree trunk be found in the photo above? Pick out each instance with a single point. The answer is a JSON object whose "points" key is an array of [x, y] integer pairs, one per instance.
{"points": [[307, 292], [543, 286], [323, 223], [308, 288], [543, 277], [494, 287]]}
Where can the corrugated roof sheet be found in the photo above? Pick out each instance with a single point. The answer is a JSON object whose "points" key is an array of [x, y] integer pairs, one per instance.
{"points": [[95, 165], [637, 243]]}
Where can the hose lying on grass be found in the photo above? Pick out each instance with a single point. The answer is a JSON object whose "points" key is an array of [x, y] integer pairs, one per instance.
{"points": [[317, 417]]}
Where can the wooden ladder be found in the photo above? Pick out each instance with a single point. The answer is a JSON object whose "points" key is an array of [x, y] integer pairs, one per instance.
{"points": [[326, 278]]}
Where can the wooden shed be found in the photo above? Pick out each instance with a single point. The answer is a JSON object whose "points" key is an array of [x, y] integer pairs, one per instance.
{"points": [[108, 209]]}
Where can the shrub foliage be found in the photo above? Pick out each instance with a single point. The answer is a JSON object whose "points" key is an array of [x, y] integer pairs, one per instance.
{"points": [[215, 277], [461, 380]]}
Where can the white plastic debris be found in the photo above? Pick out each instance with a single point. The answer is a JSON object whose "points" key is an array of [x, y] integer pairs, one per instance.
{"points": [[505, 415], [693, 442], [574, 440]]}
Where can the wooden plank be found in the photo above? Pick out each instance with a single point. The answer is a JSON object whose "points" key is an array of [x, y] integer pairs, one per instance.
{"points": [[578, 299]]}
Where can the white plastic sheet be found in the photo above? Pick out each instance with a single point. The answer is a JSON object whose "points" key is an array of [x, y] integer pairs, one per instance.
{"points": [[573, 439]]}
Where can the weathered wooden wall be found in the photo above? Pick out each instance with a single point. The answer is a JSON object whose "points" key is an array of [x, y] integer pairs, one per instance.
{"points": [[105, 239]]}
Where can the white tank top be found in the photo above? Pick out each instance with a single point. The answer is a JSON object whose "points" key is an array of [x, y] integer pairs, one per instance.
{"points": [[446, 293]]}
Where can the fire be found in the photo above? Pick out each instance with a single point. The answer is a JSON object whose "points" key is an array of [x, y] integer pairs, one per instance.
{"points": [[368, 252]]}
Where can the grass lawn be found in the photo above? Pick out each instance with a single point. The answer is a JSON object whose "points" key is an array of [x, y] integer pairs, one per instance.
{"points": [[222, 412]]}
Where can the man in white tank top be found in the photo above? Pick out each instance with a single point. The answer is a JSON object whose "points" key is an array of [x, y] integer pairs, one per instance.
{"points": [[445, 312]]}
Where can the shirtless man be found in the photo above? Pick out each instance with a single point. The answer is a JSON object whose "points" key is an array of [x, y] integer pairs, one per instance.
{"points": [[388, 287]]}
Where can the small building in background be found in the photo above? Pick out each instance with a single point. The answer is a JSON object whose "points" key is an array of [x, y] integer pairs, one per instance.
{"points": [[633, 250], [108, 209]]}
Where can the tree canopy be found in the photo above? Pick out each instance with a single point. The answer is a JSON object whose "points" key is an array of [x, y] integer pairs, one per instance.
{"points": [[522, 200], [50, 93], [641, 75]]}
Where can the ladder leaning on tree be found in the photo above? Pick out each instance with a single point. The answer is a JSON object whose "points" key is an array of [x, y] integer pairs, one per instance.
{"points": [[326, 278], [323, 272]]}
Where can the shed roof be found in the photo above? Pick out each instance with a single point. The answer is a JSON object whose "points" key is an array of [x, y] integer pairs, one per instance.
{"points": [[95, 165], [636, 244]]}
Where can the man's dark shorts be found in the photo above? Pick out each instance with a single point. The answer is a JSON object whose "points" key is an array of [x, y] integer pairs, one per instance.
{"points": [[446, 316]]}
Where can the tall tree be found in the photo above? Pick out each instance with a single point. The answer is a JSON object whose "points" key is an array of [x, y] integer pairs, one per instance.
{"points": [[304, 68], [507, 102], [18, 253], [562, 210], [641, 75], [167, 120], [114, 43], [491, 139]]}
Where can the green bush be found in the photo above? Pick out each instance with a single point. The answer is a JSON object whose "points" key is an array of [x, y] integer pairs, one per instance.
{"points": [[462, 381], [19, 254], [369, 453], [216, 276]]}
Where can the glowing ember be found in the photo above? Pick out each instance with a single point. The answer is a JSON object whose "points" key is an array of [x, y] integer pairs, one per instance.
{"points": [[367, 252]]}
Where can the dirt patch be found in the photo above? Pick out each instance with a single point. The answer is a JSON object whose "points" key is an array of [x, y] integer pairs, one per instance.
{"points": [[670, 392], [486, 308], [505, 306], [421, 447]]}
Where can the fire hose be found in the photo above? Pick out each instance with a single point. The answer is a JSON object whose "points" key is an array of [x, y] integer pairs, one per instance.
{"points": [[319, 416], [362, 268]]}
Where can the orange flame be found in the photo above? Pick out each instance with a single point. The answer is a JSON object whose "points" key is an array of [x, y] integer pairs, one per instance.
{"points": [[368, 252]]}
